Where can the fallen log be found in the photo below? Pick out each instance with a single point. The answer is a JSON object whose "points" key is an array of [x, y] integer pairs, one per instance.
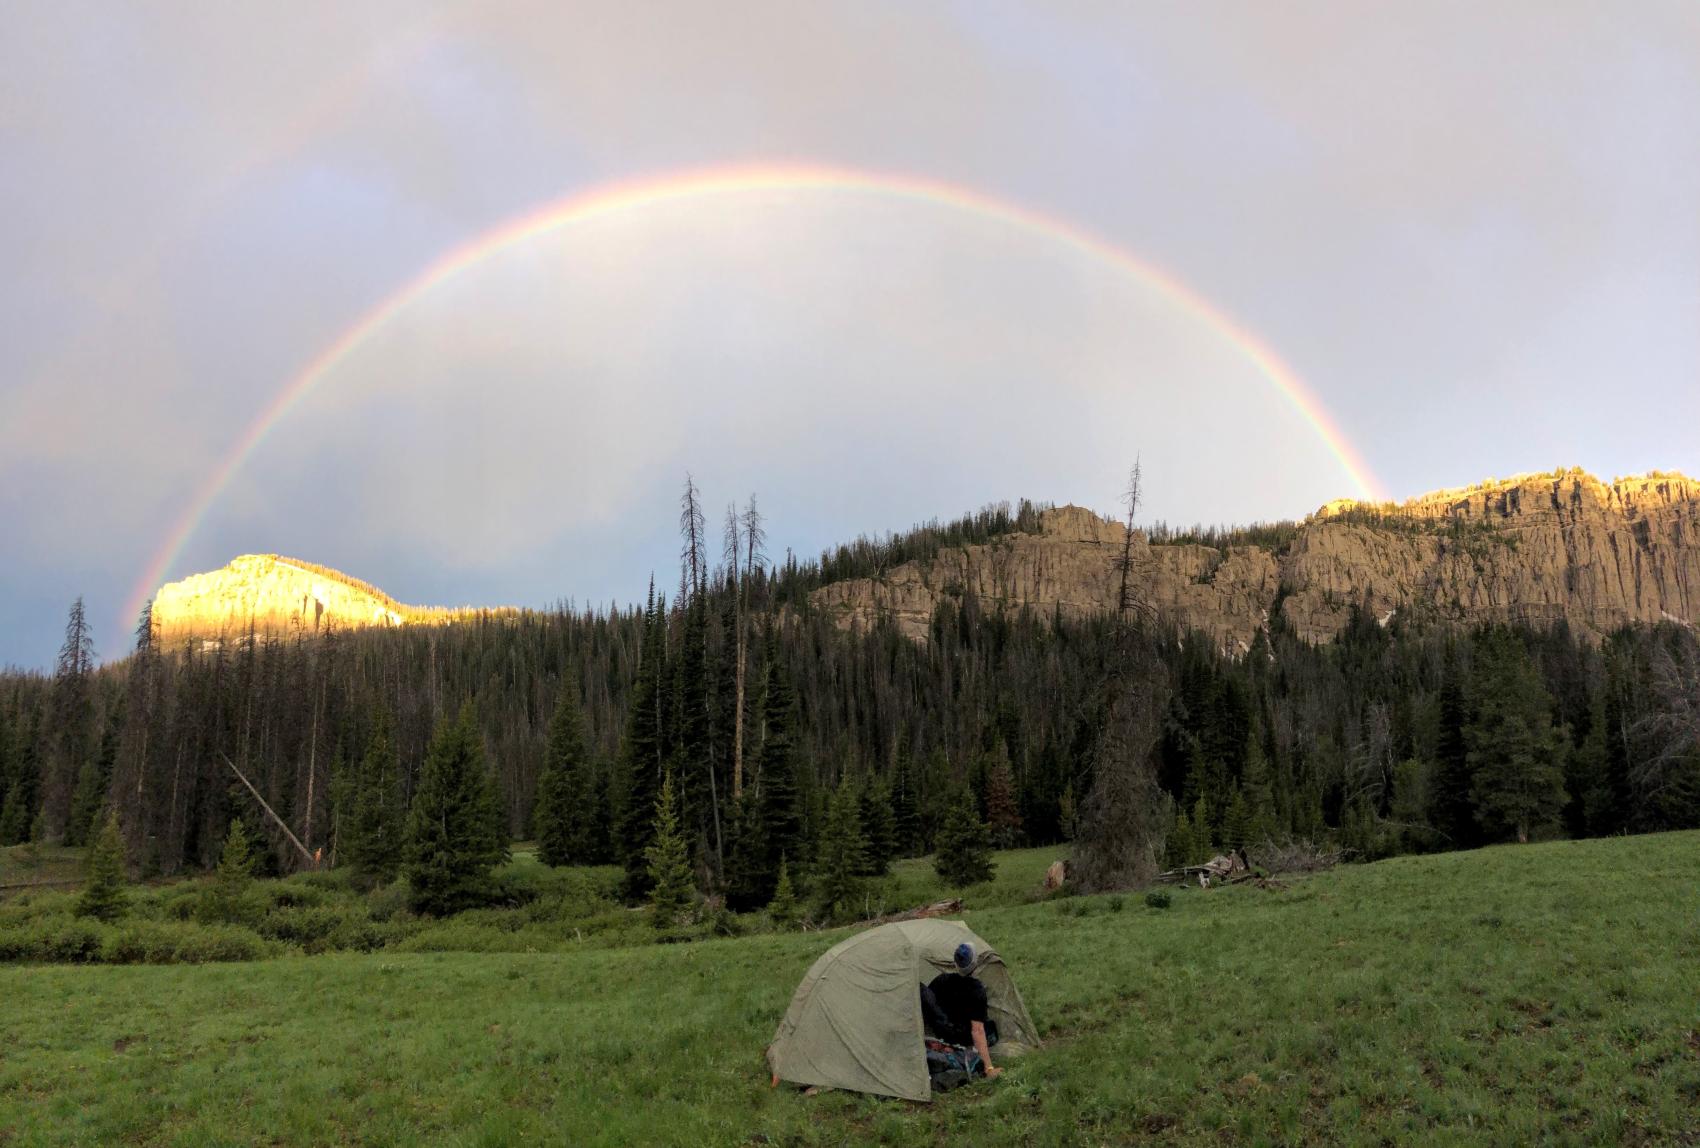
{"points": [[936, 909]]}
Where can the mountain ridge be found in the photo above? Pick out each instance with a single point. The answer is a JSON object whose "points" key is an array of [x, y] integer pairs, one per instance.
{"points": [[1535, 548]]}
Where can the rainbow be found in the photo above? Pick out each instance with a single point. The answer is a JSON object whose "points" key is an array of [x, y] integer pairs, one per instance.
{"points": [[616, 198]]}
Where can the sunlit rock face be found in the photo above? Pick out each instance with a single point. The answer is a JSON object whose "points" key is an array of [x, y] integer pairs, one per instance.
{"points": [[272, 596], [1536, 549]]}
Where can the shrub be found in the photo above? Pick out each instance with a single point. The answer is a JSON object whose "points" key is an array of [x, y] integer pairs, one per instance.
{"points": [[304, 926], [206, 943], [142, 942], [296, 895], [386, 901], [1116, 903], [1159, 899], [58, 939]]}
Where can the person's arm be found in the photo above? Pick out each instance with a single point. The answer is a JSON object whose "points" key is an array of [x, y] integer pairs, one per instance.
{"points": [[985, 1051]]}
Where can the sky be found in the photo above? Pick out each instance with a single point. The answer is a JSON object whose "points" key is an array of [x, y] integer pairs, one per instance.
{"points": [[1281, 253]]}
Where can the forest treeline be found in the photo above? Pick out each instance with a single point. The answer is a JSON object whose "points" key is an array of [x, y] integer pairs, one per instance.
{"points": [[779, 738]]}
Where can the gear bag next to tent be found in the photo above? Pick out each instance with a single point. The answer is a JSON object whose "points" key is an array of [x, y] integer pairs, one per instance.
{"points": [[855, 1021]]}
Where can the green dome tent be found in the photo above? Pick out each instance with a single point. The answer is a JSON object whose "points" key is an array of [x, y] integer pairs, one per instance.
{"points": [[855, 1021]]}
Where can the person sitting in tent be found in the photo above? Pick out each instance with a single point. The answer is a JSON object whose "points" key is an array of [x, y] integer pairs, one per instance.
{"points": [[953, 1005], [857, 1021]]}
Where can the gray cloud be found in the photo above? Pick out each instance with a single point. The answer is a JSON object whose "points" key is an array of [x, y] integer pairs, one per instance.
{"points": [[1471, 230]]}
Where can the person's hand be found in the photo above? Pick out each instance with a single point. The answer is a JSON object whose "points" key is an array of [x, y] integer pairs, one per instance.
{"points": [[993, 1073]]}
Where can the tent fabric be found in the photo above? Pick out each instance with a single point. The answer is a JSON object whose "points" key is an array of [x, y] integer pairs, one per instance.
{"points": [[855, 1020]]}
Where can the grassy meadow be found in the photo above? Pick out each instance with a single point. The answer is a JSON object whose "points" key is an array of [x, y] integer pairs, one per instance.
{"points": [[1510, 995]]}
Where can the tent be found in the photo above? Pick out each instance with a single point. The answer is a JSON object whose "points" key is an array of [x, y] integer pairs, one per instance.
{"points": [[855, 1021]]}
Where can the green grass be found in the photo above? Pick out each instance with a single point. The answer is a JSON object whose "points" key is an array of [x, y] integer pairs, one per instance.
{"points": [[1512, 995]]}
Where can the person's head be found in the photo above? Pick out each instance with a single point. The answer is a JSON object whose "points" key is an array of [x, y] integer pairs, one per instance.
{"points": [[964, 958]]}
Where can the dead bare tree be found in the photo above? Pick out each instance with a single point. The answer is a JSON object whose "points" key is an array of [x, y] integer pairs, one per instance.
{"points": [[754, 539], [1125, 817], [693, 526], [1671, 732]]}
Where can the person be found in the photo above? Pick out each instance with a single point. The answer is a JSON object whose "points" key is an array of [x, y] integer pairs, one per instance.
{"points": [[954, 1007]]}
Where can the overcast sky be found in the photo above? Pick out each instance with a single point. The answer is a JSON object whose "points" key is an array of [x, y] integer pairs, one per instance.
{"points": [[1472, 229]]}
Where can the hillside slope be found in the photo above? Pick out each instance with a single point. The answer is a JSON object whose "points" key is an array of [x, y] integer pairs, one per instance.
{"points": [[272, 594], [1536, 549]]}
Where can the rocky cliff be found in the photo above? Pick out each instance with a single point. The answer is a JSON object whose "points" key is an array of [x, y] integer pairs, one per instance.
{"points": [[1534, 549], [274, 595]]}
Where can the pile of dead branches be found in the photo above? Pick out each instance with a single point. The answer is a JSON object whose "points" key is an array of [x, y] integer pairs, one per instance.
{"points": [[1294, 855]]}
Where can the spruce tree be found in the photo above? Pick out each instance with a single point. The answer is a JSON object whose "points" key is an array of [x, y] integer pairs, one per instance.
{"points": [[775, 828], [1068, 815], [905, 807], [455, 834], [1451, 804], [842, 856], [223, 899], [783, 908], [561, 818], [643, 752], [1203, 840], [1179, 849], [104, 896], [93, 782], [375, 828], [964, 847], [1258, 787], [72, 702], [1236, 823], [672, 889], [1516, 758], [879, 828], [745, 856]]}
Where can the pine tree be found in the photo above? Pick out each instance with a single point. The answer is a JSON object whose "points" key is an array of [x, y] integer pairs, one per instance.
{"points": [[375, 828], [879, 828], [561, 818], [783, 908], [104, 896], [841, 858], [455, 835], [964, 847], [1516, 758], [672, 889]]}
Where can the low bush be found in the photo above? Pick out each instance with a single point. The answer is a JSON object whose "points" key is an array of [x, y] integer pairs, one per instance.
{"points": [[388, 901], [1159, 899], [308, 925]]}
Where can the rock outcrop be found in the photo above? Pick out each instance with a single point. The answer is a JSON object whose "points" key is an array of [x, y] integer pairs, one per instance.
{"points": [[1536, 549], [273, 595]]}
